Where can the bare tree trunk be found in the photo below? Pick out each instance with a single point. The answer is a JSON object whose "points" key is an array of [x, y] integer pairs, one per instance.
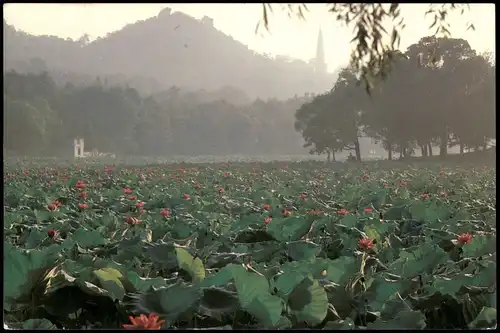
{"points": [[404, 150], [485, 145], [357, 149], [328, 156], [388, 146], [462, 146], [423, 150], [430, 149], [443, 144], [333, 156]]}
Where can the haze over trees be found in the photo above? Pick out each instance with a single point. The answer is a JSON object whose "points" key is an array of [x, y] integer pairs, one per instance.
{"points": [[169, 97], [440, 92], [42, 119]]}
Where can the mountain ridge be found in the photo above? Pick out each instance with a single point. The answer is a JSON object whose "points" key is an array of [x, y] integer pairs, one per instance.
{"points": [[173, 49]]}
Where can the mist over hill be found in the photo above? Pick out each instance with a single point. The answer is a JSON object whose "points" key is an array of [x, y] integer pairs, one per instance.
{"points": [[170, 49], [174, 85]]}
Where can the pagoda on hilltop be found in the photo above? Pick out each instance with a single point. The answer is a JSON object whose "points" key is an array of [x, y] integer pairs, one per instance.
{"points": [[319, 62]]}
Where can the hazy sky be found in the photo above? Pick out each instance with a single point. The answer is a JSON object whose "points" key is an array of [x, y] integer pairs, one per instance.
{"points": [[290, 37]]}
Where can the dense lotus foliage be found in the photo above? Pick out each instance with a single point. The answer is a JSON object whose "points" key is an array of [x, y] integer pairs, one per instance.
{"points": [[249, 245]]}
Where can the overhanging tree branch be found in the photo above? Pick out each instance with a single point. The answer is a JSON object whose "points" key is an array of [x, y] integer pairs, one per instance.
{"points": [[369, 57]]}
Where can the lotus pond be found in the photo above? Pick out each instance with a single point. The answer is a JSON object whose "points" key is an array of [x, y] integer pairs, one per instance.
{"points": [[249, 245]]}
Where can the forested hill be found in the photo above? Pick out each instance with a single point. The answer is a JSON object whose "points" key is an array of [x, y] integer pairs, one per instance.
{"points": [[42, 119], [160, 52]]}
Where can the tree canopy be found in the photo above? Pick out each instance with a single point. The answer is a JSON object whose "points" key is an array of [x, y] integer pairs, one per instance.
{"points": [[441, 92]]}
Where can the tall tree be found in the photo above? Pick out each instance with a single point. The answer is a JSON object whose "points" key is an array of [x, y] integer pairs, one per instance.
{"points": [[439, 92], [331, 122]]}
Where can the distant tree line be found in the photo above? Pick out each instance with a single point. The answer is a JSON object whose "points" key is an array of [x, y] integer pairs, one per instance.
{"points": [[41, 118], [440, 92]]}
